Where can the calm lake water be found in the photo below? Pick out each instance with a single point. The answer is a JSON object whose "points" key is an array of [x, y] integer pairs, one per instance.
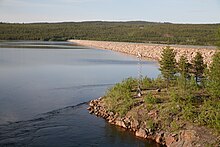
{"points": [[44, 87]]}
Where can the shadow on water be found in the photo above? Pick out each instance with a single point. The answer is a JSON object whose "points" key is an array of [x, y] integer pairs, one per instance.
{"points": [[83, 86], [40, 44], [69, 126]]}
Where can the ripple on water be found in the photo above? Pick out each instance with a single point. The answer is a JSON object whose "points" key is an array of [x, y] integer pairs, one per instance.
{"points": [[70, 126]]}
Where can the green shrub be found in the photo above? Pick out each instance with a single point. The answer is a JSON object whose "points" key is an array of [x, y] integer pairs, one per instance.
{"points": [[129, 83], [159, 82], [174, 95], [192, 84], [147, 83], [119, 97], [174, 126], [150, 124], [153, 83], [210, 114], [189, 112], [150, 99], [188, 97], [214, 77]]}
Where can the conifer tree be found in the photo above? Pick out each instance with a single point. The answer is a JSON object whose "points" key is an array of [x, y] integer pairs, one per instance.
{"points": [[168, 64], [183, 68], [214, 72], [214, 76], [198, 67], [218, 38]]}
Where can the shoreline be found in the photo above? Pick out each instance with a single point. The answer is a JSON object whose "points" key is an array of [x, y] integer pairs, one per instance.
{"points": [[152, 51], [146, 121], [190, 136]]}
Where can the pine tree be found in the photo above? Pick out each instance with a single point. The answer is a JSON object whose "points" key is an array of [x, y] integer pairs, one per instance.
{"points": [[198, 67], [218, 38], [168, 64], [183, 68], [214, 76]]}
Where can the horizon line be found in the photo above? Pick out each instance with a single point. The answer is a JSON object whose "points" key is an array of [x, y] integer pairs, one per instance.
{"points": [[110, 21]]}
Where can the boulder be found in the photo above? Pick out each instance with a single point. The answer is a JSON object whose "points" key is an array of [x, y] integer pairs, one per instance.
{"points": [[141, 133], [91, 104], [169, 140], [127, 123], [186, 139], [189, 135], [111, 113], [120, 123], [159, 137], [134, 124], [91, 111]]}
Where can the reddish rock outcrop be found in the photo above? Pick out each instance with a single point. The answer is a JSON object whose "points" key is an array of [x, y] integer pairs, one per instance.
{"points": [[183, 138]]}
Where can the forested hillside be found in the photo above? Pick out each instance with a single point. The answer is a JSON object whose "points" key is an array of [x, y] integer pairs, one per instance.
{"points": [[137, 31]]}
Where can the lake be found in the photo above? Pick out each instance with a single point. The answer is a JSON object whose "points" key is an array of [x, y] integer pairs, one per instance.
{"points": [[45, 87]]}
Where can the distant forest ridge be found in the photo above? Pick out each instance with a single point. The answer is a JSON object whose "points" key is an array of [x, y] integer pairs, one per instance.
{"points": [[130, 31]]}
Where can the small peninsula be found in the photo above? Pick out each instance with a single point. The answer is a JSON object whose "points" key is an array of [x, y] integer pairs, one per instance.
{"points": [[179, 108]]}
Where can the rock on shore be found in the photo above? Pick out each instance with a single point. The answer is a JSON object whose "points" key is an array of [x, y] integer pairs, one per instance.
{"points": [[183, 138], [152, 51]]}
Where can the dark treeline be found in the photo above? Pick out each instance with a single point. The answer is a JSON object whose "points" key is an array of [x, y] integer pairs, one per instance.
{"points": [[137, 31]]}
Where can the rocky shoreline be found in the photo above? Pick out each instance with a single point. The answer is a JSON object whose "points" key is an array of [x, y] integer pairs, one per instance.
{"points": [[152, 51], [148, 122], [182, 138]]}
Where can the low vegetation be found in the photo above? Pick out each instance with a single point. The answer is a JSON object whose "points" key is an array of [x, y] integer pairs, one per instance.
{"points": [[119, 98], [145, 32], [186, 93]]}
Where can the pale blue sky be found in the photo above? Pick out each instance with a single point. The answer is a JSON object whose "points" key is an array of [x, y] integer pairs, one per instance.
{"points": [[176, 11]]}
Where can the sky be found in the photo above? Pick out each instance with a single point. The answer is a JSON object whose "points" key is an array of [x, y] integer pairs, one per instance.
{"points": [[174, 11]]}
